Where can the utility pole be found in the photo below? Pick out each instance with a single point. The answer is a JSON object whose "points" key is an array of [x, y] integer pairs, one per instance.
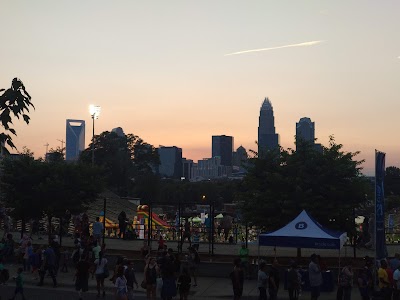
{"points": [[47, 150]]}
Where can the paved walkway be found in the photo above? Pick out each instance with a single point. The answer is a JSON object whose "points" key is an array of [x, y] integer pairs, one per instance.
{"points": [[208, 287], [222, 249]]}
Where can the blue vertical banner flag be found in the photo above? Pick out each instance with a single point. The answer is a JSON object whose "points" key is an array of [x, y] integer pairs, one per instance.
{"points": [[380, 238]]}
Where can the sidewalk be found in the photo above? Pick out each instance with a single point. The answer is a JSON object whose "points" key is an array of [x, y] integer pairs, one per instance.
{"points": [[208, 287], [131, 248]]}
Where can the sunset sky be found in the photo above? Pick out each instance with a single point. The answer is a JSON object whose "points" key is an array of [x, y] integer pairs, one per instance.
{"points": [[161, 70]]}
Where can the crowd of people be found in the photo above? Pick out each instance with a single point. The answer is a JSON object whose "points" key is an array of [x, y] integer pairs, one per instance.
{"points": [[166, 273], [268, 279], [169, 272]]}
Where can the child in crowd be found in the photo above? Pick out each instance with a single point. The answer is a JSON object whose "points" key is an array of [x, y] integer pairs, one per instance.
{"points": [[66, 256], [4, 275], [36, 262], [28, 251], [19, 285]]}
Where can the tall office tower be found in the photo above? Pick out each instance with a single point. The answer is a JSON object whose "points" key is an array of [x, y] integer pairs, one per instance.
{"points": [[222, 146], [305, 132], [170, 162], [267, 138], [75, 139]]}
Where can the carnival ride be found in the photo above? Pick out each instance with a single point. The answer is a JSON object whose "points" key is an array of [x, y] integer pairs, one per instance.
{"points": [[143, 213]]}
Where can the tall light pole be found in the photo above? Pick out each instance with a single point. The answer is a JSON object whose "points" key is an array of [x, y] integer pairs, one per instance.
{"points": [[94, 111]]}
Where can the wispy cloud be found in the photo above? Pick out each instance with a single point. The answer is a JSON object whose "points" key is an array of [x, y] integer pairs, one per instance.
{"points": [[305, 44]]}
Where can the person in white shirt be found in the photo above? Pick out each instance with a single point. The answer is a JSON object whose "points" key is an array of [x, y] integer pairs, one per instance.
{"points": [[101, 265], [396, 278], [315, 277], [121, 288]]}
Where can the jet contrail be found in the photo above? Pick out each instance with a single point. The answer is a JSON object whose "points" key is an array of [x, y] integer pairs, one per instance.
{"points": [[306, 44]]}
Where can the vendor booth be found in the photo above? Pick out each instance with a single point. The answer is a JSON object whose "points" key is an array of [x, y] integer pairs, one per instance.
{"points": [[305, 232]]}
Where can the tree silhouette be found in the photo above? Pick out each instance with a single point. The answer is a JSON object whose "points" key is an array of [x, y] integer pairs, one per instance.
{"points": [[14, 102], [328, 184]]}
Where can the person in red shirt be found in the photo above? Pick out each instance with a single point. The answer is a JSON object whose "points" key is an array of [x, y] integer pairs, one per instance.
{"points": [[161, 243], [389, 272]]}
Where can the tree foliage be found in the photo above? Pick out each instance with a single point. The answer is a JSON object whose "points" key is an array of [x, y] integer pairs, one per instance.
{"points": [[327, 184], [392, 187], [126, 160], [217, 192], [392, 181], [15, 102], [55, 155], [33, 187]]}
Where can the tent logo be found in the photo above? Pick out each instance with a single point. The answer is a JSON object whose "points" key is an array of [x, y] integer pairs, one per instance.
{"points": [[301, 225]]}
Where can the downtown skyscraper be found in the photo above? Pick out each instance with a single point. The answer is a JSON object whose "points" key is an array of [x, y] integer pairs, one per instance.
{"points": [[75, 139], [268, 139], [305, 130], [170, 162], [305, 133], [222, 146]]}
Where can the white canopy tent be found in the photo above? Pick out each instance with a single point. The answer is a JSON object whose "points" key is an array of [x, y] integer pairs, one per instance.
{"points": [[303, 232]]}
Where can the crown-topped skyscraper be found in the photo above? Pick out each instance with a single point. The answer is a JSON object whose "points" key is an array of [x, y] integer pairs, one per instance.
{"points": [[267, 138]]}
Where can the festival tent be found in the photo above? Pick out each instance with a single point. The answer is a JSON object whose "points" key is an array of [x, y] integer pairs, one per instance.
{"points": [[219, 216], [303, 232]]}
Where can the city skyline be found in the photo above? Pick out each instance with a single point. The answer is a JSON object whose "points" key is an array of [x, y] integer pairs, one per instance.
{"points": [[162, 70]]}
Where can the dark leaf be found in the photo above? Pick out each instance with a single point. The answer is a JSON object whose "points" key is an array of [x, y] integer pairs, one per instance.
{"points": [[11, 144], [26, 118]]}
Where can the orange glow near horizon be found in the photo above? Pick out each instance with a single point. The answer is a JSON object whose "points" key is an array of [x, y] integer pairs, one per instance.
{"points": [[169, 82]]}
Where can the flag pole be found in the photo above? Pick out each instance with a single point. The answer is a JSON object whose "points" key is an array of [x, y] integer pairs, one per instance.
{"points": [[375, 214]]}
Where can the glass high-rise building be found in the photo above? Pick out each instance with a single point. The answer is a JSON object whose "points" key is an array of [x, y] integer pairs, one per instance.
{"points": [[170, 162], [75, 139], [268, 139], [222, 146], [305, 130]]}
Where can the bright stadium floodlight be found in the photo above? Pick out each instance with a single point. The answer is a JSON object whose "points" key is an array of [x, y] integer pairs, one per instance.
{"points": [[94, 111]]}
